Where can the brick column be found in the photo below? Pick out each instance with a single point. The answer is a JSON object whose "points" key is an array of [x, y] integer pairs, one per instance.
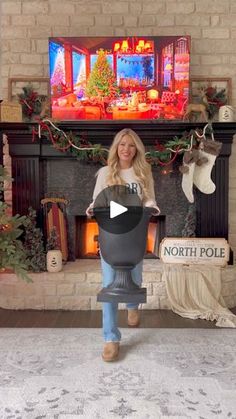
{"points": [[7, 163]]}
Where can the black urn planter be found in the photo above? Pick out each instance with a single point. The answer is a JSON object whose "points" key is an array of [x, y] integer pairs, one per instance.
{"points": [[123, 250]]}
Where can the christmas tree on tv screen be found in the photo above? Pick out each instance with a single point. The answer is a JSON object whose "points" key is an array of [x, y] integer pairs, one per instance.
{"points": [[102, 81]]}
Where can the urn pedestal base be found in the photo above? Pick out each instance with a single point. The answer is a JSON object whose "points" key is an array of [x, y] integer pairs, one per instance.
{"points": [[123, 290]]}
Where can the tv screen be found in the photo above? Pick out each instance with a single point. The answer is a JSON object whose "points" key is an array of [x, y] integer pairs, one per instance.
{"points": [[113, 78]]}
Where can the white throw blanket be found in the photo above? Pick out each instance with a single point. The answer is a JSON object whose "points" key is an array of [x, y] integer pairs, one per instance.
{"points": [[194, 291]]}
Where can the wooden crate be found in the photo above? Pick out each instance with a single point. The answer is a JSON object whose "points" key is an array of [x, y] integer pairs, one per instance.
{"points": [[10, 112]]}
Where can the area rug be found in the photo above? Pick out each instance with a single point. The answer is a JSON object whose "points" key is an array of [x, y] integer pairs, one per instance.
{"points": [[161, 373]]}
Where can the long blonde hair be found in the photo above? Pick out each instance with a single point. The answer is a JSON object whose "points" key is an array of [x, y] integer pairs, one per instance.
{"points": [[142, 168]]}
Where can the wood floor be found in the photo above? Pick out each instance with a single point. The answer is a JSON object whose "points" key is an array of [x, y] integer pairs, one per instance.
{"points": [[56, 318]]}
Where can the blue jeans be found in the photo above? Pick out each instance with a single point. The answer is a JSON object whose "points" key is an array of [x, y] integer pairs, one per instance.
{"points": [[111, 332]]}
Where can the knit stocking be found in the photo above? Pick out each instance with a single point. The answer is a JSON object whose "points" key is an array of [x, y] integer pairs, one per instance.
{"points": [[208, 151], [189, 161]]}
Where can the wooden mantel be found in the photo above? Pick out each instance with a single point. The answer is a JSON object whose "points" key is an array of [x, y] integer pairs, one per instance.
{"points": [[103, 132], [212, 210]]}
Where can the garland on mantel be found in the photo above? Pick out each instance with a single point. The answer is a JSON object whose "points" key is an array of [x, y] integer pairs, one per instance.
{"points": [[159, 154]]}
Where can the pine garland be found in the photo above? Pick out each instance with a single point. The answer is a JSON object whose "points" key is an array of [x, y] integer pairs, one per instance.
{"points": [[79, 146]]}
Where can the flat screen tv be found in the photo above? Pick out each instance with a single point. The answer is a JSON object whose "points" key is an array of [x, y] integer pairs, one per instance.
{"points": [[114, 78]]}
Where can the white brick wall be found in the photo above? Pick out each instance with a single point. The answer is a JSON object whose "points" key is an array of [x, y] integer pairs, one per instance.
{"points": [[27, 24], [69, 290]]}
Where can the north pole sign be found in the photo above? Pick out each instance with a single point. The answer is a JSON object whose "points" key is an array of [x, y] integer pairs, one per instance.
{"points": [[208, 251]]}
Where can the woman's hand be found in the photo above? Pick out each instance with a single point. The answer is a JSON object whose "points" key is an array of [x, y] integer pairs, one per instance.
{"points": [[156, 211], [89, 211]]}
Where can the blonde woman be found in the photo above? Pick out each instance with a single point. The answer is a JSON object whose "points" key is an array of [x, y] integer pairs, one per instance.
{"points": [[127, 165]]}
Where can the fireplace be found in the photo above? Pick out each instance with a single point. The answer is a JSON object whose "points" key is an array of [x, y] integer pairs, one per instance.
{"points": [[87, 237], [39, 170]]}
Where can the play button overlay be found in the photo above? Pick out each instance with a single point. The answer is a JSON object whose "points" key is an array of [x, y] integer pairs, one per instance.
{"points": [[118, 209]]}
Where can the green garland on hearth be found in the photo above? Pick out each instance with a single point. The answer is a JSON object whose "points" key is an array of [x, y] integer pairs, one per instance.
{"points": [[84, 150]]}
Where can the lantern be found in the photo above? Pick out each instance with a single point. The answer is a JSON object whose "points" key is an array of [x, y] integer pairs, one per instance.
{"points": [[147, 46], [125, 46], [54, 261], [226, 113], [116, 46], [141, 43]]}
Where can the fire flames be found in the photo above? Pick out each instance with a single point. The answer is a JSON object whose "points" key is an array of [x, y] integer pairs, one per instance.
{"points": [[91, 232]]}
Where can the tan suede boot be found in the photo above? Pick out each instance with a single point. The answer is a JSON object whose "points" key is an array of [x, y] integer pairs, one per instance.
{"points": [[111, 351], [133, 318]]}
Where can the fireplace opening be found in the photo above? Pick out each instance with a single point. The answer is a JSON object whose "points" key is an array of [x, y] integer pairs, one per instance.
{"points": [[87, 240]]}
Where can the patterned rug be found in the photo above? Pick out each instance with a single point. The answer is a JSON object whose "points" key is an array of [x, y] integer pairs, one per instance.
{"points": [[161, 373]]}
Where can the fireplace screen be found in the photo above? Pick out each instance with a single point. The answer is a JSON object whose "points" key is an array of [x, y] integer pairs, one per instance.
{"points": [[87, 240]]}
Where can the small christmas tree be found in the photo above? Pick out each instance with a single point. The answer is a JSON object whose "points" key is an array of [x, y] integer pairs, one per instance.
{"points": [[12, 253], [102, 81], [59, 74], [33, 244], [53, 240]]}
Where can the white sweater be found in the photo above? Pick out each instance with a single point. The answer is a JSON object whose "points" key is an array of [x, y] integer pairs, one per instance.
{"points": [[131, 181]]}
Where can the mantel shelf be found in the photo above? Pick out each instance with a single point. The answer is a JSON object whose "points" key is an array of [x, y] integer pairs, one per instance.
{"points": [[103, 132]]}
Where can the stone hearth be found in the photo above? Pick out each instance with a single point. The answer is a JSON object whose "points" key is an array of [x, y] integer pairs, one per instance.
{"points": [[76, 288]]}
